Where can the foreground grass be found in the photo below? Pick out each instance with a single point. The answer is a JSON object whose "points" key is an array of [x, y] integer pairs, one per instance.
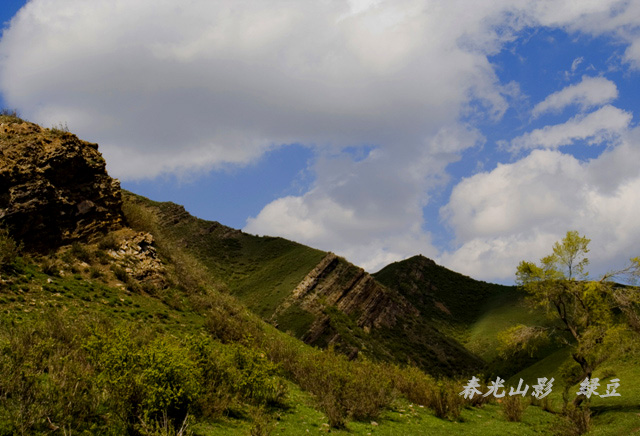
{"points": [[403, 418]]}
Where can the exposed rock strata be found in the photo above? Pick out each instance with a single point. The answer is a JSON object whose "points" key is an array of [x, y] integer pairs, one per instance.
{"points": [[54, 188], [335, 282]]}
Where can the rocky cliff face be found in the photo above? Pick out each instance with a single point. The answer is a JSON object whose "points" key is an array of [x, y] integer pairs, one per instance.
{"points": [[54, 188], [335, 282]]}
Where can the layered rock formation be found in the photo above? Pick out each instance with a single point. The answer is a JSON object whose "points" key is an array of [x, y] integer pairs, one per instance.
{"points": [[335, 282], [54, 187]]}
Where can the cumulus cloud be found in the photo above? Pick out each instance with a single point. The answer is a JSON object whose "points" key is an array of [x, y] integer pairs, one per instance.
{"points": [[590, 92], [370, 210], [517, 210], [166, 86], [604, 124]]}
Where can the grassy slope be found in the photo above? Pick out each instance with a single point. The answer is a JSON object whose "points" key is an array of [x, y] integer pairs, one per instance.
{"points": [[404, 418], [35, 293], [611, 415], [263, 271], [452, 300], [260, 271]]}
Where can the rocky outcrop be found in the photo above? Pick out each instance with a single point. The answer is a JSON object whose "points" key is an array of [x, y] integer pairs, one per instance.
{"points": [[335, 282], [138, 256], [54, 187]]}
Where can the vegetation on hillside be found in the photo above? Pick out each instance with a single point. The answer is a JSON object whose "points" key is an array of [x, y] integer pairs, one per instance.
{"points": [[93, 350], [589, 310], [156, 326], [262, 273]]}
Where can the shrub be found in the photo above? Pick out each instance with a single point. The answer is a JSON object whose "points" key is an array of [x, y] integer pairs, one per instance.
{"points": [[577, 420], [102, 256], [544, 404], [47, 381], [262, 426], [50, 267], [109, 242], [148, 384], [369, 390], [513, 407], [445, 400], [413, 384], [222, 324], [120, 273], [8, 112], [9, 250], [232, 374], [95, 273], [343, 389], [80, 251], [60, 128], [11, 113]]}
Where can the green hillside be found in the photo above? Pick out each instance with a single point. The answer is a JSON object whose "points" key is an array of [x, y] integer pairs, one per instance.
{"points": [[444, 296], [121, 315], [263, 272], [472, 311]]}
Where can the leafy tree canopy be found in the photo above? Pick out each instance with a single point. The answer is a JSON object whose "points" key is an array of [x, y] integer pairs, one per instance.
{"points": [[596, 317]]}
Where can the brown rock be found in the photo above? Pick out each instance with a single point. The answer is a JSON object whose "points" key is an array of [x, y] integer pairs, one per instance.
{"points": [[137, 254], [54, 188]]}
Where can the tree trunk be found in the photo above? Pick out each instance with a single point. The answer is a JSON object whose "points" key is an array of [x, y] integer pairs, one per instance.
{"points": [[587, 371]]}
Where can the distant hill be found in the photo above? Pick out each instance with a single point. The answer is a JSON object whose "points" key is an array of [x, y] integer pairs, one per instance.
{"points": [[446, 297]]}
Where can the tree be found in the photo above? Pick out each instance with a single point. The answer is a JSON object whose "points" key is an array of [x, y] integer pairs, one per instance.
{"points": [[596, 316]]}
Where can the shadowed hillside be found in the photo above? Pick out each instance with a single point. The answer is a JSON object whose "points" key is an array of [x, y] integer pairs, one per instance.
{"points": [[440, 294]]}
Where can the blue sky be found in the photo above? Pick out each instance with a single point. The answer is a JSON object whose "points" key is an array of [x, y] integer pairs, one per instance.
{"points": [[475, 133]]}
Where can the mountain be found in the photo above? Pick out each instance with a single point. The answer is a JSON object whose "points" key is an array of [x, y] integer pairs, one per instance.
{"points": [[446, 297], [318, 297]]}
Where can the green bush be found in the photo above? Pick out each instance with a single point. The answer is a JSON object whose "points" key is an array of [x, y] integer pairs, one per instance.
{"points": [[413, 384], [81, 252], [9, 250], [513, 407], [445, 400], [145, 382], [343, 389], [233, 373], [47, 382], [577, 420]]}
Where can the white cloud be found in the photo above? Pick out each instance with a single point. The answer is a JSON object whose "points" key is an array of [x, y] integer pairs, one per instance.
{"points": [[368, 210], [576, 62], [604, 124], [514, 197], [590, 92], [163, 87], [168, 86], [517, 211]]}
